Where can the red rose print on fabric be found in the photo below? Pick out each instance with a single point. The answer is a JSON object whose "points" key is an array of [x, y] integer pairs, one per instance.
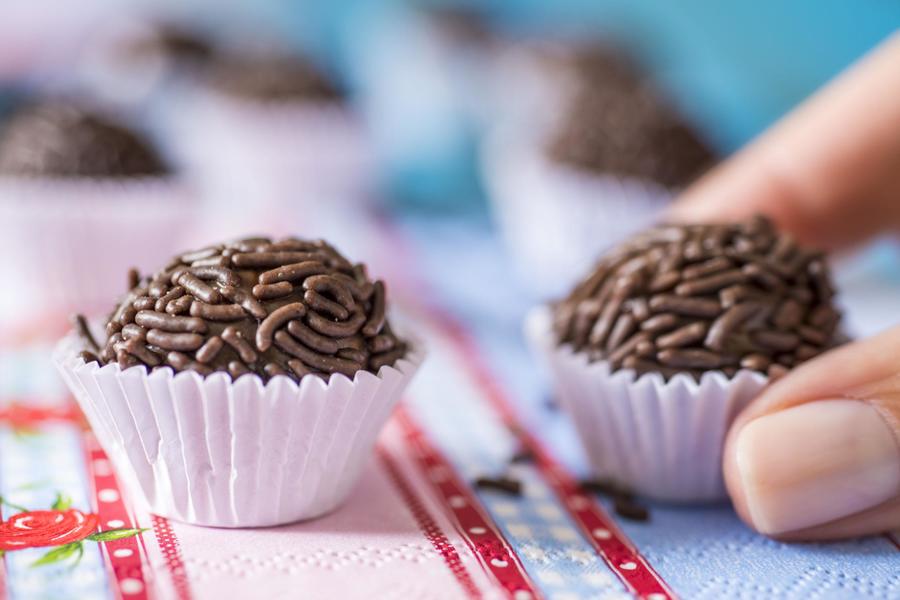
{"points": [[40, 528], [62, 528]]}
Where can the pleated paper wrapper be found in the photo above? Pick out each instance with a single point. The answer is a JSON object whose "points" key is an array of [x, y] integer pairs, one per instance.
{"points": [[555, 220], [216, 452], [69, 243], [661, 439]]}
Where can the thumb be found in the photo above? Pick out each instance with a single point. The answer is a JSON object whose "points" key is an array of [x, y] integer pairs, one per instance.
{"points": [[817, 455], [829, 172]]}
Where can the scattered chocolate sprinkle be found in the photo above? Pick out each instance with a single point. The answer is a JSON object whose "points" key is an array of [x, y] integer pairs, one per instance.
{"points": [[501, 484], [735, 296], [522, 456], [624, 502], [628, 509], [605, 487], [241, 311]]}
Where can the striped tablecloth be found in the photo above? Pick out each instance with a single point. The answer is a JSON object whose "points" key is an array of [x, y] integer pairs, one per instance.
{"points": [[415, 526]]}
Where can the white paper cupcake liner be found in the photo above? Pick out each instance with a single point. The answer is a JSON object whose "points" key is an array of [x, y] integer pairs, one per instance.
{"points": [[662, 439], [222, 453], [276, 167], [69, 243], [556, 220]]}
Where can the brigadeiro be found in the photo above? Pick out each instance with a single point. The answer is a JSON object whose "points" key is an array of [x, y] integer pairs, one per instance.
{"points": [[58, 140], [143, 64], [671, 334], [82, 197], [243, 364], [274, 128], [615, 150]]}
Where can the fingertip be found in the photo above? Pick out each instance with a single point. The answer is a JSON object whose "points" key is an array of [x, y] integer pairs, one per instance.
{"points": [[724, 194], [733, 481], [806, 466]]}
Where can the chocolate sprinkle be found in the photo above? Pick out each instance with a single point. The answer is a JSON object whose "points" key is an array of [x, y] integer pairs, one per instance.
{"points": [[84, 333], [522, 456], [631, 510], [736, 296], [605, 487], [501, 484], [226, 317], [623, 500]]}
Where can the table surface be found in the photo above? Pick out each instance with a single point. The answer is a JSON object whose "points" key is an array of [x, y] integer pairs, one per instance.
{"points": [[416, 526]]}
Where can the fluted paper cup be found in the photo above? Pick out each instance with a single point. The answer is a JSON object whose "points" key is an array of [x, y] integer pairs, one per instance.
{"points": [[216, 452], [557, 220], [70, 242], [661, 439], [275, 166]]}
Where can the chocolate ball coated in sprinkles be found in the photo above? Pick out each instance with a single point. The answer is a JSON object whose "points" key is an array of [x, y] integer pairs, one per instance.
{"points": [[289, 307], [271, 78], [60, 139], [617, 121], [696, 298]]}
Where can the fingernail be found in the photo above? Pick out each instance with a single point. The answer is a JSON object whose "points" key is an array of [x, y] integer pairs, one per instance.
{"points": [[814, 463]]}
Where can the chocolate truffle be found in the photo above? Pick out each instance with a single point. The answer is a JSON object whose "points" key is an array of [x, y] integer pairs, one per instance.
{"points": [[288, 307], [271, 78], [617, 122], [462, 24], [172, 42], [693, 298], [57, 139]]}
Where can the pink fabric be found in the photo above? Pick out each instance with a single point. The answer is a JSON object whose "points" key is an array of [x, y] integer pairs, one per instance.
{"points": [[371, 547]]}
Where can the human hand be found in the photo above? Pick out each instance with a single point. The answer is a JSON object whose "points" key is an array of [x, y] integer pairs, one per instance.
{"points": [[817, 454]]}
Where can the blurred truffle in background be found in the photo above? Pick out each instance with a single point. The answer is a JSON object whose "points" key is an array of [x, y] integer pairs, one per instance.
{"points": [[595, 161], [83, 198], [271, 78], [274, 143], [427, 85], [56, 138], [618, 121], [134, 61]]}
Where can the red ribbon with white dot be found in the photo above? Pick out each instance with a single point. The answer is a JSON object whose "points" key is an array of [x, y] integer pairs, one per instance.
{"points": [[124, 554], [478, 530]]}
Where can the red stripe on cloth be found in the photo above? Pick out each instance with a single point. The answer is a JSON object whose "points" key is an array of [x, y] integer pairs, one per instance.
{"points": [[608, 540], [171, 551], [2, 568], [480, 533], [123, 556], [429, 527]]}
